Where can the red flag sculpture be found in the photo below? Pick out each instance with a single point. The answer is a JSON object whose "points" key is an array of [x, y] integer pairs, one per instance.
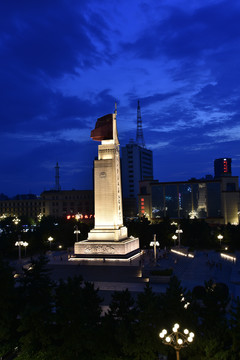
{"points": [[103, 128]]}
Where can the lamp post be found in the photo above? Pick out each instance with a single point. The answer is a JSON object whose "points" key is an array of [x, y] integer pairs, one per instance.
{"points": [[179, 231], [19, 244], [177, 339], [174, 237], [154, 243], [25, 244], [220, 237], [76, 231], [50, 239], [16, 220]]}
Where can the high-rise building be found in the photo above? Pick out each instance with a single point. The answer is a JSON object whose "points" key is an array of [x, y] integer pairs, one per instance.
{"points": [[137, 165], [222, 167]]}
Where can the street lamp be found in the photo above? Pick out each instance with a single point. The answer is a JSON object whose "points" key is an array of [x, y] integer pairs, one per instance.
{"points": [[179, 231], [25, 244], [154, 243], [220, 237], [19, 244], [76, 231], [50, 239], [176, 339], [16, 220], [174, 237]]}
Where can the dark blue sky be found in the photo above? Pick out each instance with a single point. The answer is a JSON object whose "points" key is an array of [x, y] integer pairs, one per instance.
{"points": [[64, 63]]}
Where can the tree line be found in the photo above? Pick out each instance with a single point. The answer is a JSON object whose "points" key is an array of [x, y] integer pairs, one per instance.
{"points": [[41, 319]]}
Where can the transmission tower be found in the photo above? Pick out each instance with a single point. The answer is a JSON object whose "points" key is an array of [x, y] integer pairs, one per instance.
{"points": [[139, 137], [57, 184]]}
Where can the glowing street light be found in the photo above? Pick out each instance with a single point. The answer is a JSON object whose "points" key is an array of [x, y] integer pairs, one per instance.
{"points": [[50, 239], [174, 237], [16, 220], [179, 231], [25, 244], [19, 244], [177, 339], [76, 231], [220, 237], [154, 243]]}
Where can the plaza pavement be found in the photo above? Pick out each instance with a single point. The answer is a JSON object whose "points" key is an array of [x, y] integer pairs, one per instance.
{"points": [[117, 276]]}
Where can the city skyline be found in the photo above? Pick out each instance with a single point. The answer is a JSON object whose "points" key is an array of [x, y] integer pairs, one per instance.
{"points": [[64, 64]]}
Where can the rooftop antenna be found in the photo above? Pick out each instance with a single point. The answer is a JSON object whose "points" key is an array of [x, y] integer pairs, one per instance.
{"points": [[139, 137], [57, 184]]}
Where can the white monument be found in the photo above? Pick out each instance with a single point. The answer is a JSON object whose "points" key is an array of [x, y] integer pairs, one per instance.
{"points": [[109, 238]]}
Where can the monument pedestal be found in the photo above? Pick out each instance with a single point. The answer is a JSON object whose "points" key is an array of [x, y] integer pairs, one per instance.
{"points": [[125, 249]]}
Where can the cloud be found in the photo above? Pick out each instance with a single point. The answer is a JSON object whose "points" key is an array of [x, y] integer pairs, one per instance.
{"points": [[149, 100], [54, 38], [159, 145], [225, 134], [181, 33]]}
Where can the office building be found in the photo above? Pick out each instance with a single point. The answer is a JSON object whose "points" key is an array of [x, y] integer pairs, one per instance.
{"points": [[216, 200]]}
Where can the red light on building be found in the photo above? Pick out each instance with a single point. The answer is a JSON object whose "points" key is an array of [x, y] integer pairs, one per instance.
{"points": [[142, 207], [142, 211], [142, 199], [225, 166], [68, 217], [86, 216]]}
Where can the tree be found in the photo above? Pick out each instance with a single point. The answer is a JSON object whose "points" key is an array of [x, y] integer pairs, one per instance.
{"points": [[8, 310], [77, 320], [235, 329], [36, 311], [118, 325], [147, 325]]}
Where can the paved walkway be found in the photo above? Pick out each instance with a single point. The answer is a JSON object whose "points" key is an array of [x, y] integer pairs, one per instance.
{"points": [[111, 276]]}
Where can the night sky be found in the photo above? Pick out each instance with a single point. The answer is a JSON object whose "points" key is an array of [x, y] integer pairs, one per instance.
{"points": [[64, 63]]}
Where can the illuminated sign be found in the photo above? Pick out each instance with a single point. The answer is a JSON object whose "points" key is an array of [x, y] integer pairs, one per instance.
{"points": [[80, 216], [225, 166]]}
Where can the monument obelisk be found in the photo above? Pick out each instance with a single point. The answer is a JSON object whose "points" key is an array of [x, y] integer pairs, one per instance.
{"points": [[109, 238]]}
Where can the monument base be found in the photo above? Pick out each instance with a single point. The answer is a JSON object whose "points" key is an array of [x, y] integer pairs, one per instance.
{"points": [[126, 249], [107, 234]]}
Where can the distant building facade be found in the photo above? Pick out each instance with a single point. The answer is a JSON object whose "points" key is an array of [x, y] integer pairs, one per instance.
{"points": [[55, 203], [215, 200], [28, 205]]}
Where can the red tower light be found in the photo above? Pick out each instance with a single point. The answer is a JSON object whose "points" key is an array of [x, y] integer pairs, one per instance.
{"points": [[225, 166]]}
